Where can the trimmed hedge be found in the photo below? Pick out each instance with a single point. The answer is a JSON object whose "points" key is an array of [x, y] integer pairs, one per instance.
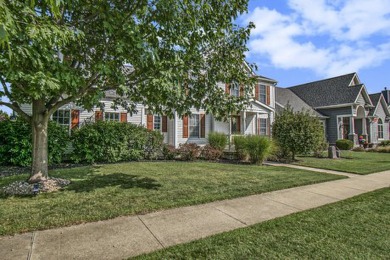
{"points": [[344, 144], [16, 142], [114, 141]]}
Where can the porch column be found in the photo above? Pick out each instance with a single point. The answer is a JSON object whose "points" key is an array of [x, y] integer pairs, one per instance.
{"points": [[175, 138], [244, 123], [352, 136], [257, 130]]}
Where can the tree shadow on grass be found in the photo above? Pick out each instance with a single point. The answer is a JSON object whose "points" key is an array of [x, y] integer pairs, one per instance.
{"points": [[117, 179]]}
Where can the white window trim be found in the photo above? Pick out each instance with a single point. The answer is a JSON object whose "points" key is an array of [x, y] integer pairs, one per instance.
{"points": [[338, 127], [199, 127]]}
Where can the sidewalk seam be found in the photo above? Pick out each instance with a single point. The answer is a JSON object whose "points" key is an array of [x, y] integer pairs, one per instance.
{"points": [[284, 204], [242, 222], [158, 240], [31, 246]]}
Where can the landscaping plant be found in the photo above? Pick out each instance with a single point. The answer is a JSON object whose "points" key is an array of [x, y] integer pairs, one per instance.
{"points": [[188, 152], [258, 148], [16, 146], [113, 142], [344, 144], [240, 147], [297, 132], [211, 153], [217, 140]]}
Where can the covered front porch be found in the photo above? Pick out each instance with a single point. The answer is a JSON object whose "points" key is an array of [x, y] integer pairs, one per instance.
{"points": [[355, 127]]}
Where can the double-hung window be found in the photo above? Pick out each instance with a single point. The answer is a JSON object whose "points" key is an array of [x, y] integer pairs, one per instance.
{"points": [[157, 122], [263, 126], [263, 94], [380, 129], [235, 89], [194, 126]]}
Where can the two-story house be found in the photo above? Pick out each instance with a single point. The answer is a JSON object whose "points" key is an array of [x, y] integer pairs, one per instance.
{"points": [[255, 119]]}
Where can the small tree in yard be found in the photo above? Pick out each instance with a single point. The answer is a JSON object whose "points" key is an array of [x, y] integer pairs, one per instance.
{"points": [[53, 52], [297, 132]]}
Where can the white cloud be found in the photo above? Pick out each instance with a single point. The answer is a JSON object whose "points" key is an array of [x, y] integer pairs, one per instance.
{"points": [[330, 37]]}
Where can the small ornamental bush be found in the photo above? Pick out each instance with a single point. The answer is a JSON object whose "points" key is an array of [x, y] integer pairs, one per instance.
{"points": [[253, 147], [211, 153], [114, 141], [344, 144], [168, 152], [189, 152], [358, 149], [16, 142], [240, 147], [217, 140], [383, 149], [384, 143], [258, 148]]}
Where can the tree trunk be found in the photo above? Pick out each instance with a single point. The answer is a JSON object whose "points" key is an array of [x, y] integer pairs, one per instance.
{"points": [[39, 124]]}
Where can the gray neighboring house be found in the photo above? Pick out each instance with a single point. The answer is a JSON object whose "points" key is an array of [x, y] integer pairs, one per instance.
{"points": [[381, 115], [342, 103]]}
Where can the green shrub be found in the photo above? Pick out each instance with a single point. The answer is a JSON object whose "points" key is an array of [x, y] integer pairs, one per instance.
{"points": [[258, 148], [253, 147], [344, 144], [169, 152], [240, 147], [297, 132], [383, 149], [217, 140], [113, 142], [384, 143], [358, 149], [16, 142], [211, 153], [189, 152]]}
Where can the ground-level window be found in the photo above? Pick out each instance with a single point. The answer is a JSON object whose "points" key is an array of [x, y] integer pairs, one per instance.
{"points": [[157, 122], [62, 117], [111, 116], [380, 129], [235, 125], [194, 125], [262, 126]]}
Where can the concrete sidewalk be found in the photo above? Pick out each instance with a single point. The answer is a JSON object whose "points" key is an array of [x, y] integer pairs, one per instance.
{"points": [[124, 237]]}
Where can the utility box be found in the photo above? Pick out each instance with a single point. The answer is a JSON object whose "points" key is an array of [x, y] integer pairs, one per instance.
{"points": [[332, 152]]}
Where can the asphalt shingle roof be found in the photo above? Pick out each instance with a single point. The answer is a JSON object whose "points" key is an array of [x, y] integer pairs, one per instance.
{"points": [[285, 96], [328, 92]]}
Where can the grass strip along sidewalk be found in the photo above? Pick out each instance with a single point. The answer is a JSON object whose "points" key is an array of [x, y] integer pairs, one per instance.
{"points": [[108, 191], [355, 228], [352, 162]]}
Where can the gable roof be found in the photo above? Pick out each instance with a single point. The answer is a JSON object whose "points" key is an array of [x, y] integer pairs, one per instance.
{"points": [[330, 92], [378, 99], [285, 96]]}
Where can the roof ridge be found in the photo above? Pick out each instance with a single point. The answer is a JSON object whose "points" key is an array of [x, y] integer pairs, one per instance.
{"points": [[321, 80]]}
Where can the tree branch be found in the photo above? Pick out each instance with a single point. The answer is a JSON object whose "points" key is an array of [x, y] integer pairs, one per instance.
{"points": [[6, 90], [17, 109]]}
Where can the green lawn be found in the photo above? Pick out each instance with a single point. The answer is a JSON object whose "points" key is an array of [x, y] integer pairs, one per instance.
{"points": [[357, 228], [353, 162], [108, 191]]}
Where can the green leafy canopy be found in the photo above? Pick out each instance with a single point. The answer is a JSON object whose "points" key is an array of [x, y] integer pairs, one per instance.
{"points": [[55, 52]]}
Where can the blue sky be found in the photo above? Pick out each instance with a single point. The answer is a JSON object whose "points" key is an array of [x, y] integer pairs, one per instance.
{"points": [[299, 41]]}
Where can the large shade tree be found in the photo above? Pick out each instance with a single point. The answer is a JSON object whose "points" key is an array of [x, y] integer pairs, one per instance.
{"points": [[166, 54]]}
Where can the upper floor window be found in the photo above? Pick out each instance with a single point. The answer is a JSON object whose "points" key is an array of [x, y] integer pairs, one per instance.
{"points": [[235, 89], [62, 117], [380, 129], [110, 116], [263, 94]]}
